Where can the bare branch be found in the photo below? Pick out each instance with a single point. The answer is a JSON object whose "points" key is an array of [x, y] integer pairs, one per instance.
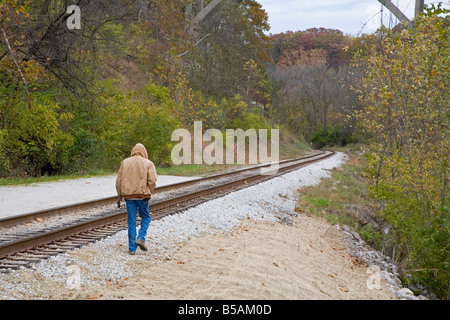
{"points": [[196, 44], [11, 53]]}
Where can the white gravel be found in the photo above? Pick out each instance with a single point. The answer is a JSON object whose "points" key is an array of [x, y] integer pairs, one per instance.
{"points": [[108, 259]]}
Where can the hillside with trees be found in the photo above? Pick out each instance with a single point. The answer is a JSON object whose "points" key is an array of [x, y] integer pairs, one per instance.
{"points": [[136, 70], [312, 76], [77, 100]]}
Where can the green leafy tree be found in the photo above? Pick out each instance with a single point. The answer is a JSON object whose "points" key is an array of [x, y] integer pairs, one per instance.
{"points": [[143, 116], [238, 115], [32, 139]]}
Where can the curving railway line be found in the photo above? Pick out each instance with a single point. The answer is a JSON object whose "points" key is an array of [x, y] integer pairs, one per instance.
{"points": [[29, 238]]}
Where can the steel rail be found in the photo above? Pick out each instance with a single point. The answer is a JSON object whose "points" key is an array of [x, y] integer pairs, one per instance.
{"points": [[10, 221]]}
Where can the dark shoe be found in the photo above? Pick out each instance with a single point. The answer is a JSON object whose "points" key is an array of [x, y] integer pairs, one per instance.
{"points": [[141, 245], [132, 253]]}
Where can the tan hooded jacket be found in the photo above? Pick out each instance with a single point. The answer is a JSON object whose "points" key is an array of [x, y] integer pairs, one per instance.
{"points": [[137, 175]]}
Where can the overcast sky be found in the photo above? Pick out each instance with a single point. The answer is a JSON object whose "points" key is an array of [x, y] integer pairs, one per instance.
{"points": [[349, 16]]}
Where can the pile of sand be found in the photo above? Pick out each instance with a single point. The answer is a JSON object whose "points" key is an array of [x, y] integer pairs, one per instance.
{"points": [[260, 260]]}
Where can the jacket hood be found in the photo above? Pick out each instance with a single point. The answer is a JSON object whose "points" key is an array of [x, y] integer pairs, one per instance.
{"points": [[139, 150]]}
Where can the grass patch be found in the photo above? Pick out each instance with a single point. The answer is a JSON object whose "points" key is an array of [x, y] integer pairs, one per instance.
{"points": [[318, 203], [343, 199], [292, 147]]}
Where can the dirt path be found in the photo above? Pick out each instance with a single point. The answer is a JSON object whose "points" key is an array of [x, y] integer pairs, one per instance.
{"points": [[260, 260]]}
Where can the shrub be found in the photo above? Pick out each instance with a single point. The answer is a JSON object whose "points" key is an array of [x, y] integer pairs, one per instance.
{"points": [[334, 135], [33, 142], [143, 116], [238, 115]]}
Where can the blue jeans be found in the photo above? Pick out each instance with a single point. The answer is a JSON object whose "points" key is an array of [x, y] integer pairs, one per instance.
{"points": [[132, 206]]}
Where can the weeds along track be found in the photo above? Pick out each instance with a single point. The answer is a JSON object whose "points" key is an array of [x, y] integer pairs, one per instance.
{"points": [[29, 238]]}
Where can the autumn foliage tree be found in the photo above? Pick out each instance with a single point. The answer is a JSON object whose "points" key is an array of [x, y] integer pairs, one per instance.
{"points": [[405, 94], [66, 94], [292, 48], [31, 139], [312, 78], [231, 52]]}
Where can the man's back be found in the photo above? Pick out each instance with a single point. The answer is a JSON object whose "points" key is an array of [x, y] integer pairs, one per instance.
{"points": [[137, 175], [135, 183]]}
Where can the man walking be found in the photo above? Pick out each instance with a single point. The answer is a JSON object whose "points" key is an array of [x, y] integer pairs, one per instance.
{"points": [[135, 183]]}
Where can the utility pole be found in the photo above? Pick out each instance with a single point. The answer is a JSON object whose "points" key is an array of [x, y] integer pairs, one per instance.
{"points": [[400, 15], [396, 11], [206, 10], [419, 8]]}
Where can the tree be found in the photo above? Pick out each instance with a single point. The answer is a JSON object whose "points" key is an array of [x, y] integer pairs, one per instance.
{"points": [[405, 96], [313, 82], [83, 78], [232, 49], [290, 48]]}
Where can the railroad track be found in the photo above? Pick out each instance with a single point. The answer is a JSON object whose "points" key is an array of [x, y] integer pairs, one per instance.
{"points": [[22, 249]]}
